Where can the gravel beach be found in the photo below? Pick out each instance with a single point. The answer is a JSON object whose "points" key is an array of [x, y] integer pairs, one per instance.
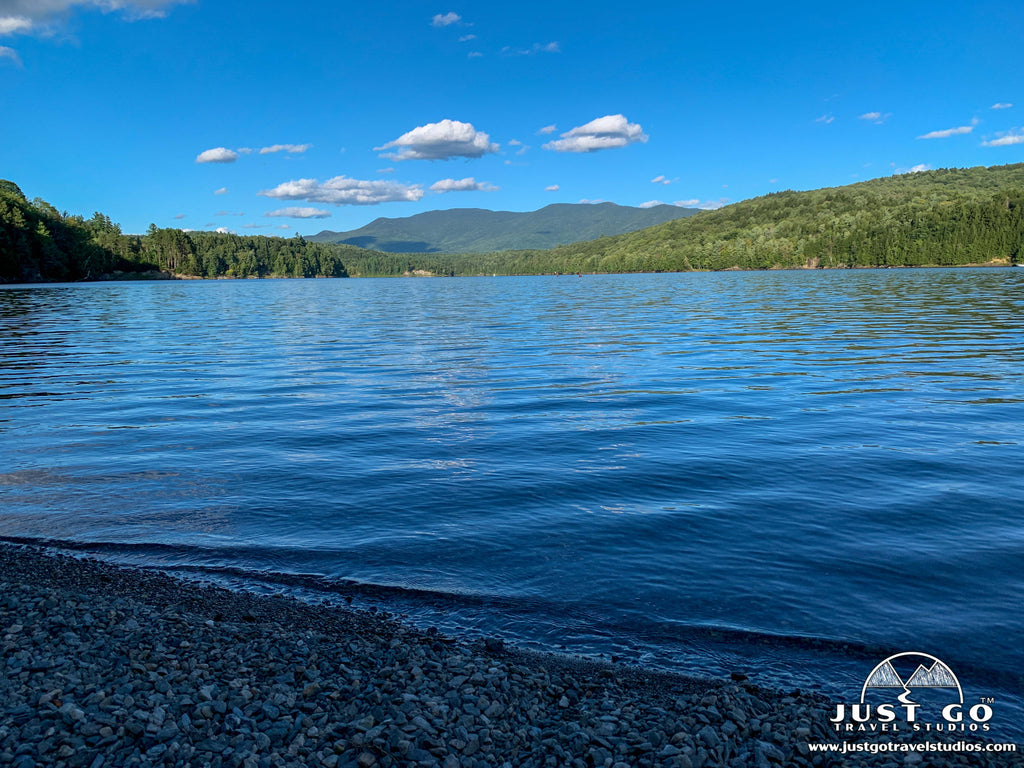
{"points": [[108, 666]]}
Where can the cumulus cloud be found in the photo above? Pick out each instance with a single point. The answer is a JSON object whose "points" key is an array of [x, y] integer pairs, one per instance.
{"points": [[300, 213], [217, 155], [342, 190], [947, 132], [222, 230], [1001, 105], [291, 148], [547, 129], [1015, 136], [650, 204], [687, 203], [552, 188], [440, 141], [445, 19], [10, 53], [468, 184], [605, 132], [221, 191]]}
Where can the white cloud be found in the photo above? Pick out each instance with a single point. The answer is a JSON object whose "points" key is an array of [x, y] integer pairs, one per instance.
{"points": [[222, 230], [245, 150], [914, 169], [468, 184], [548, 129], [552, 188], [552, 47], [515, 143], [14, 13], [445, 19], [10, 53], [284, 226], [651, 204], [1014, 136], [440, 141], [605, 132], [585, 201], [1001, 105], [875, 117], [221, 191], [180, 216], [661, 180], [467, 38], [385, 170], [826, 119], [947, 132], [11, 24], [705, 205], [291, 148], [342, 190], [300, 213], [474, 55], [217, 155]]}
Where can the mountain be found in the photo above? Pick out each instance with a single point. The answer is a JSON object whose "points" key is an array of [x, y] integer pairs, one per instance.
{"points": [[931, 218], [476, 230], [945, 217]]}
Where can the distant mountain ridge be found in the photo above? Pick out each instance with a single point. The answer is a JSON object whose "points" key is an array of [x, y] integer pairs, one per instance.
{"points": [[477, 230]]}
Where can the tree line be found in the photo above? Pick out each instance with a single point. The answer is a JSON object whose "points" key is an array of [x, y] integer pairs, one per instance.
{"points": [[933, 218], [39, 243]]}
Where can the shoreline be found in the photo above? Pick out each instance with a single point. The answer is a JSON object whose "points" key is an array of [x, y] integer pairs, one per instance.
{"points": [[154, 275], [106, 666]]}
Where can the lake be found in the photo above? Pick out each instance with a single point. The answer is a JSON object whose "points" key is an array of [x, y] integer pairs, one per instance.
{"points": [[785, 474]]}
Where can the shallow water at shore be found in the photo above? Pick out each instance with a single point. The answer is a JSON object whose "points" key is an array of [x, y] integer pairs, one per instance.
{"points": [[783, 472]]}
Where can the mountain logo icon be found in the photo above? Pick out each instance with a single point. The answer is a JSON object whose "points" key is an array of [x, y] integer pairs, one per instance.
{"points": [[930, 672]]}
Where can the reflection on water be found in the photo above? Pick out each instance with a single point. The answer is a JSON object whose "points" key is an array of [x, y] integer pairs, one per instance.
{"points": [[617, 462]]}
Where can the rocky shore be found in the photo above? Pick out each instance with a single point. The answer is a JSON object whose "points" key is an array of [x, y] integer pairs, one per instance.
{"points": [[105, 666]]}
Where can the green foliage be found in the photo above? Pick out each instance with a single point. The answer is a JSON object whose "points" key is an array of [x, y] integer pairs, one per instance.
{"points": [[38, 243], [936, 218]]}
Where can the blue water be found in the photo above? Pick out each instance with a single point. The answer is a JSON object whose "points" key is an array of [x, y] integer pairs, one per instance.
{"points": [[784, 473]]}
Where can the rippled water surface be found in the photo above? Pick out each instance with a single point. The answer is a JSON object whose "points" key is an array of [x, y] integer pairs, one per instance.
{"points": [[776, 472]]}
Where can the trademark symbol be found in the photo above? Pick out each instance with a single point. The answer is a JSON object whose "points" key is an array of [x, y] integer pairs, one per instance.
{"points": [[986, 700]]}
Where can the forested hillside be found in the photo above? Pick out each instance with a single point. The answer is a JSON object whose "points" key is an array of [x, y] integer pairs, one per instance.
{"points": [[476, 230], [934, 218], [39, 243]]}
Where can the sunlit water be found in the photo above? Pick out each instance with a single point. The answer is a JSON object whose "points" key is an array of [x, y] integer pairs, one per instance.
{"points": [[783, 473]]}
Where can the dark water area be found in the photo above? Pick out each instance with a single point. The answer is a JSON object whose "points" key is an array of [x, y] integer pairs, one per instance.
{"points": [[789, 474]]}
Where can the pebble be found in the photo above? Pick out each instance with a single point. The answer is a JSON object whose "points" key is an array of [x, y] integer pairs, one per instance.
{"points": [[110, 667]]}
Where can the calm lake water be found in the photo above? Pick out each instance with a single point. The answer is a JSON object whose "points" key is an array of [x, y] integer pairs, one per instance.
{"points": [[783, 473]]}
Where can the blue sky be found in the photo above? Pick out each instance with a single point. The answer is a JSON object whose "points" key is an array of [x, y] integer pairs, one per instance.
{"points": [[276, 118]]}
